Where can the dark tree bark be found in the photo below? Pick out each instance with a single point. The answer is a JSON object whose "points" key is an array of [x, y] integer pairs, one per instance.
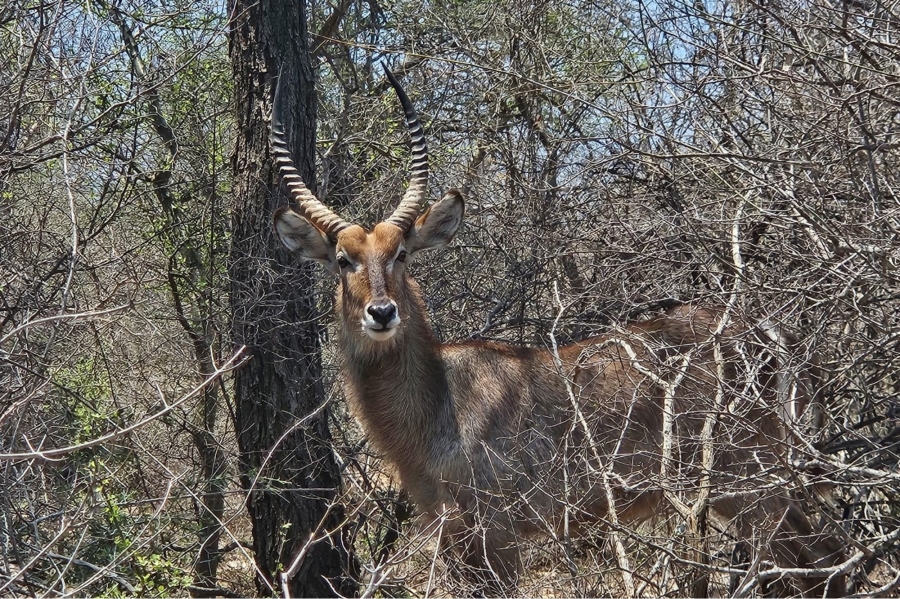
{"points": [[279, 392]]}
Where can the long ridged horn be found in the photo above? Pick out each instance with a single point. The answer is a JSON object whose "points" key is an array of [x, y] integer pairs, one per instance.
{"points": [[309, 206], [414, 198]]}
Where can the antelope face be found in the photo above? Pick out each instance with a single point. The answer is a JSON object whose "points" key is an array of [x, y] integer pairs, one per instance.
{"points": [[372, 264]]}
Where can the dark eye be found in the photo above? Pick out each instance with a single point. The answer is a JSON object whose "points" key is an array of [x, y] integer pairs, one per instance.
{"points": [[401, 257], [342, 261]]}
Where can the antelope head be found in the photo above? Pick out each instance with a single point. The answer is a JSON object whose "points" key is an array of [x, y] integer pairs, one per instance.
{"points": [[375, 290]]}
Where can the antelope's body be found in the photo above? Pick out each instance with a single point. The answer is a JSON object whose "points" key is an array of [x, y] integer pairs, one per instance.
{"points": [[516, 441]]}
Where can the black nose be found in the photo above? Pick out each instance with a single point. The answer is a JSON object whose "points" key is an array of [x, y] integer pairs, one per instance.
{"points": [[383, 313]]}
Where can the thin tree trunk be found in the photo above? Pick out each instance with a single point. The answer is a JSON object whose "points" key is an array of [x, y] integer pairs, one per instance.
{"points": [[279, 391]]}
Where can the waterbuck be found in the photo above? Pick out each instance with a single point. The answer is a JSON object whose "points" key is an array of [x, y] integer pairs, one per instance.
{"points": [[688, 410]]}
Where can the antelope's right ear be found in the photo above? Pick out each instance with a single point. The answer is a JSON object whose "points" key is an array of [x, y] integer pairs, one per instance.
{"points": [[301, 236], [438, 224]]}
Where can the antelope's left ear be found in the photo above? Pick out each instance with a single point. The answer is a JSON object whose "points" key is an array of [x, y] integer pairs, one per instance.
{"points": [[437, 226], [302, 237]]}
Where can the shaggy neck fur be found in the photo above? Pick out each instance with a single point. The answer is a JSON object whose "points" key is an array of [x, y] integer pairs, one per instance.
{"points": [[399, 389]]}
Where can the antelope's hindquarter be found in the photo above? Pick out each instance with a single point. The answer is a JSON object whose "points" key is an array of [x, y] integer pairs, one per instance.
{"points": [[625, 382]]}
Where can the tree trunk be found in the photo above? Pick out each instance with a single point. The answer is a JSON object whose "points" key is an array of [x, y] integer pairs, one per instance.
{"points": [[286, 462]]}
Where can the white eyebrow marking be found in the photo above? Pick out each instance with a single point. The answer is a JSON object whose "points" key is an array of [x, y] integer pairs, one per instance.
{"points": [[389, 268]]}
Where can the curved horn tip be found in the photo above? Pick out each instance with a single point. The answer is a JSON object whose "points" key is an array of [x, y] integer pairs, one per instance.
{"points": [[277, 115], [387, 70], [401, 93]]}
